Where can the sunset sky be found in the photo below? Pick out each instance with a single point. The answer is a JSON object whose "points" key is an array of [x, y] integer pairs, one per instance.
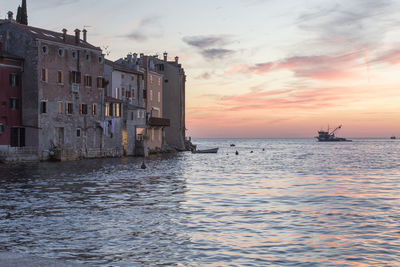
{"points": [[257, 68]]}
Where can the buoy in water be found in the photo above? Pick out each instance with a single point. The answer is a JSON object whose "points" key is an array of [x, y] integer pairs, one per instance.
{"points": [[263, 149], [237, 153], [143, 165], [251, 151]]}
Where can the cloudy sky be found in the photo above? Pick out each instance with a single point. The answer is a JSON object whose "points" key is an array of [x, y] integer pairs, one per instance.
{"points": [[257, 68]]}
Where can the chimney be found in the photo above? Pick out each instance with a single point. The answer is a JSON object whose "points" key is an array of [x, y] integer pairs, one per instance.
{"points": [[64, 34], [176, 59], [129, 58], [77, 36], [165, 56], [10, 15], [141, 55], [84, 35]]}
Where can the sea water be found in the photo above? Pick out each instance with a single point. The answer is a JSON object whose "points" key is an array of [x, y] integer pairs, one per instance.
{"points": [[279, 202]]}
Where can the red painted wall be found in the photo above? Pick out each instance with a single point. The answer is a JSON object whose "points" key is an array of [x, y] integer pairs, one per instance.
{"points": [[8, 116]]}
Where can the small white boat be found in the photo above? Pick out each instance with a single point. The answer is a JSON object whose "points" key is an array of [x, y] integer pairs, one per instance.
{"points": [[212, 150]]}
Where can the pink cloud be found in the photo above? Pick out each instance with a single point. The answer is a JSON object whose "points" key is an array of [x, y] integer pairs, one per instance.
{"points": [[390, 57], [314, 67]]}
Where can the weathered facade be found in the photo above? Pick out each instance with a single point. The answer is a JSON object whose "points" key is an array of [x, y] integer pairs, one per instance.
{"points": [[126, 85], [156, 122], [62, 90], [62, 99], [11, 132], [173, 100]]}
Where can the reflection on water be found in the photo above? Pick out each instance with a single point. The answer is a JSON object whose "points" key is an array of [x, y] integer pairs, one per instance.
{"points": [[299, 202]]}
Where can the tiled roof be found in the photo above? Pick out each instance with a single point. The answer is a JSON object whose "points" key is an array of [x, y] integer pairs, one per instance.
{"points": [[122, 67], [44, 34]]}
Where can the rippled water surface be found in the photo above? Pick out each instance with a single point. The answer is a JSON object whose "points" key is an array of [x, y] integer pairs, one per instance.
{"points": [[295, 203]]}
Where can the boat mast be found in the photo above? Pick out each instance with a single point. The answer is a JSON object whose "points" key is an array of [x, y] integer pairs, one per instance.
{"points": [[337, 128]]}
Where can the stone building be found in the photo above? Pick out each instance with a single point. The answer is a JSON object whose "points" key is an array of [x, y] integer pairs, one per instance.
{"points": [[126, 85], [62, 93], [156, 122], [173, 100], [11, 132]]}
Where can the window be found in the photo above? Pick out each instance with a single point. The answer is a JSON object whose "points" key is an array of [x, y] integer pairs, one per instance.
{"points": [[61, 52], [88, 81], [75, 77], [100, 82], [132, 78], [45, 49], [2, 128], [60, 77], [152, 134], [59, 107], [151, 79], [116, 92], [14, 79], [128, 93], [74, 55], [132, 116], [151, 95], [138, 114], [94, 109], [88, 57], [68, 108], [78, 132], [17, 135], [43, 107], [123, 92], [100, 59], [122, 76], [107, 110], [44, 75], [83, 109], [159, 81], [159, 97], [14, 103], [117, 110]]}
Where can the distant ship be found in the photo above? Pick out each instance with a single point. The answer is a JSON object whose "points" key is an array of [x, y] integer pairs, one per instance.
{"points": [[326, 136], [393, 137]]}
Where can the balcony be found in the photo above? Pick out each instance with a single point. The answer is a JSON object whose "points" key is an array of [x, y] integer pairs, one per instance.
{"points": [[75, 88], [153, 121]]}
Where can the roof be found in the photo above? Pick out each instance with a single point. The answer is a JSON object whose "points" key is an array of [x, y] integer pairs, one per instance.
{"points": [[9, 56], [112, 99], [121, 67], [43, 34]]}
